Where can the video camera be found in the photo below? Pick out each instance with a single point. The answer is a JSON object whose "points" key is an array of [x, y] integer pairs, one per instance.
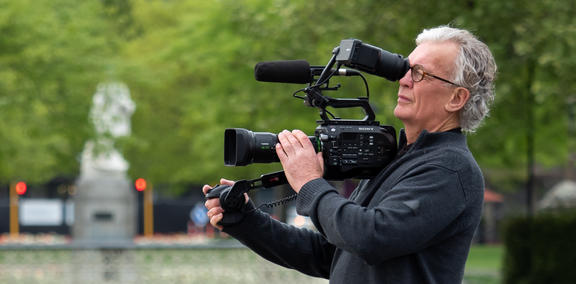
{"points": [[350, 148]]}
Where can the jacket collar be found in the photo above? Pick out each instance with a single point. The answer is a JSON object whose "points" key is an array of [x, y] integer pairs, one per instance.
{"points": [[453, 136]]}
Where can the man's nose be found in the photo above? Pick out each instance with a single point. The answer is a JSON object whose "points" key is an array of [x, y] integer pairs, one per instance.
{"points": [[407, 79]]}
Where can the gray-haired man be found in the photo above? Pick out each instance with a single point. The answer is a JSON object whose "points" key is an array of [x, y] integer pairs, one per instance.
{"points": [[414, 222]]}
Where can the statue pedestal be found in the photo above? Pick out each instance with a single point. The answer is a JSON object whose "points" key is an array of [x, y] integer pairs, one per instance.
{"points": [[105, 210]]}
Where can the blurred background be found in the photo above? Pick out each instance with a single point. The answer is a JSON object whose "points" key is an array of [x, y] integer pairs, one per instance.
{"points": [[188, 68]]}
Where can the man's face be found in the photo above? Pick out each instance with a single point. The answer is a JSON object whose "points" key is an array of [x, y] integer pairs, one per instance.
{"points": [[422, 104]]}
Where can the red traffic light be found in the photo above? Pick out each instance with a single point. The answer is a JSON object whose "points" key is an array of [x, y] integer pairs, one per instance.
{"points": [[21, 188], [140, 184]]}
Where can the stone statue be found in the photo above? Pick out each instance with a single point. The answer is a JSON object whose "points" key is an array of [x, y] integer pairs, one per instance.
{"points": [[110, 114]]}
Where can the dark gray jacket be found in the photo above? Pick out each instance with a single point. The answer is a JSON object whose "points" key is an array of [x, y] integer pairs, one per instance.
{"points": [[413, 223]]}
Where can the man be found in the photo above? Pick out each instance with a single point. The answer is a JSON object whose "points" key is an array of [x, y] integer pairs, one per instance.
{"points": [[414, 222]]}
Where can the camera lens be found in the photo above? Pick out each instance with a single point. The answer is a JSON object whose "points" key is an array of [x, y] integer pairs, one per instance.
{"points": [[243, 147]]}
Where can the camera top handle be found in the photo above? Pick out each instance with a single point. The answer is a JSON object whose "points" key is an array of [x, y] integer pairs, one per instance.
{"points": [[315, 98]]}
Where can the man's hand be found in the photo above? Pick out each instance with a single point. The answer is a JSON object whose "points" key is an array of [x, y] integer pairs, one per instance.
{"points": [[215, 212], [300, 161]]}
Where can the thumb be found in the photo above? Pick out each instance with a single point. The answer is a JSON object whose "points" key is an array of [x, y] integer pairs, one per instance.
{"points": [[320, 160]]}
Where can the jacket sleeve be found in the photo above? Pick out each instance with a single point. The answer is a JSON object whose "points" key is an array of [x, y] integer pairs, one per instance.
{"points": [[301, 249], [405, 220]]}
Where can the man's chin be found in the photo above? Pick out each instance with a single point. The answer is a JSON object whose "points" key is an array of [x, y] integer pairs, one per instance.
{"points": [[400, 112]]}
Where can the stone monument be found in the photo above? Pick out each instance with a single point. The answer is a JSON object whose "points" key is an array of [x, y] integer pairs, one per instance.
{"points": [[105, 205]]}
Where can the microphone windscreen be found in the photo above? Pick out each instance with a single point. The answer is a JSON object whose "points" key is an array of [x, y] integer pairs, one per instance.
{"points": [[284, 71]]}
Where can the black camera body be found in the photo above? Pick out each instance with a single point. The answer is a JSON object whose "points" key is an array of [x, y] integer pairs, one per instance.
{"points": [[355, 149]]}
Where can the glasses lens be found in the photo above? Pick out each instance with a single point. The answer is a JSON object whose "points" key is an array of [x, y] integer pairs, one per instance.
{"points": [[417, 73]]}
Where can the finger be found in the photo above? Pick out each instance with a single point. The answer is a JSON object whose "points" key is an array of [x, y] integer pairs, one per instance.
{"points": [[280, 152], [288, 141], [302, 137], [320, 160], [215, 220], [294, 141], [212, 203], [214, 211], [284, 143], [226, 182], [206, 188]]}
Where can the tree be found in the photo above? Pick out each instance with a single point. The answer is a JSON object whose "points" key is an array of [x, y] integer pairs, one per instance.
{"points": [[52, 54], [534, 47]]}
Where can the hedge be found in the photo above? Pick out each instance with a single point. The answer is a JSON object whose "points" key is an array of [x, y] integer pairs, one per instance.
{"points": [[541, 249]]}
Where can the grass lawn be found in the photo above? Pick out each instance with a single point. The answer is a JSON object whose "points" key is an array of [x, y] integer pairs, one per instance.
{"points": [[173, 265], [484, 264]]}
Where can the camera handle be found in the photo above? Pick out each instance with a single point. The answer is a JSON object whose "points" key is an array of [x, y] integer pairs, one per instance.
{"points": [[232, 197], [316, 99]]}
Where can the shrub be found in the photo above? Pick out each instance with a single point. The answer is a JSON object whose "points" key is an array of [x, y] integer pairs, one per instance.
{"points": [[541, 249]]}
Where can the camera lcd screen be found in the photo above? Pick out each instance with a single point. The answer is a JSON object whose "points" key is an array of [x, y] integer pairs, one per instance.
{"points": [[349, 137]]}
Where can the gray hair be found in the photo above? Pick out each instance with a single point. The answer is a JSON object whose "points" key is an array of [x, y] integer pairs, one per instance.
{"points": [[475, 70]]}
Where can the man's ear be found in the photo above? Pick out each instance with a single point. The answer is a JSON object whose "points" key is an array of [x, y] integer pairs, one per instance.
{"points": [[459, 98]]}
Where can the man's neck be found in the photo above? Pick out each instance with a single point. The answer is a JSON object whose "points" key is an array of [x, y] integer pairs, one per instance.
{"points": [[413, 131]]}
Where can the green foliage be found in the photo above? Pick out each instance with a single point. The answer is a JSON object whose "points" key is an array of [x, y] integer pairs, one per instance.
{"points": [[535, 53], [540, 249], [52, 53], [189, 67]]}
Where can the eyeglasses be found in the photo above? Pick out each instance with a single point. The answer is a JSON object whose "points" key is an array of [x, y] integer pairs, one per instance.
{"points": [[418, 75]]}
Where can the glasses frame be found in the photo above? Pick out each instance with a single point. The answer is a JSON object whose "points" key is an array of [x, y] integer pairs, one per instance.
{"points": [[424, 74]]}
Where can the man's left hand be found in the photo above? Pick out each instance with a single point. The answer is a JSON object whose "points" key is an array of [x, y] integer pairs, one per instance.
{"points": [[300, 161]]}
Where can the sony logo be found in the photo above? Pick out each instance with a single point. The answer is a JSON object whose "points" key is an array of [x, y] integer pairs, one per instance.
{"points": [[366, 128]]}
